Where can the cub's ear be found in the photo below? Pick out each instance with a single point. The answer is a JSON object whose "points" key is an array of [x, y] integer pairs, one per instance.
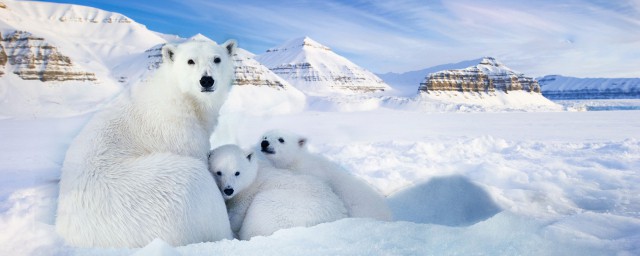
{"points": [[231, 46], [249, 156], [302, 142], [168, 50]]}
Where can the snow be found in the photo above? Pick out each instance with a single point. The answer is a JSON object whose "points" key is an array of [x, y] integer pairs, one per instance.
{"points": [[530, 183], [562, 87]]}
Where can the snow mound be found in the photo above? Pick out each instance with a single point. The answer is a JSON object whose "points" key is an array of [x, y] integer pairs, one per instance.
{"points": [[451, 201]]}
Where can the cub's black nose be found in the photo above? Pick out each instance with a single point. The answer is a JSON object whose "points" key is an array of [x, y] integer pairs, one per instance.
{"points": [[206, 81], [228, 191], [264, 144]]}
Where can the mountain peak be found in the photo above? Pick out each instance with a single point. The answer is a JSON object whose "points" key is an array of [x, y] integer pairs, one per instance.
{"points": [[487, 76], [491, 61], [305, 43], [200, 37], [314, 68]]}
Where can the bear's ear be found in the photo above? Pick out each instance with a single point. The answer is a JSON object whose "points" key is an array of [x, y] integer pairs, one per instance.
{"points": [[231, 46], [168, 51], [249, 156], [302, 142]]}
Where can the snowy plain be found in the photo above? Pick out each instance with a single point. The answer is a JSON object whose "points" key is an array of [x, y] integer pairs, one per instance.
{"points": [[459, 182]]}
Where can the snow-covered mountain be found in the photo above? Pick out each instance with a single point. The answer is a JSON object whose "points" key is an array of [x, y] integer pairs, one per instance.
{"points": [[408, 82], [487, 76], [315, 69], [561, 87], [63, 59]]}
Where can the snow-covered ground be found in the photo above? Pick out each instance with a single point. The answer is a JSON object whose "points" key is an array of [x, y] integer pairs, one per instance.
{"points": [[488, 183]]}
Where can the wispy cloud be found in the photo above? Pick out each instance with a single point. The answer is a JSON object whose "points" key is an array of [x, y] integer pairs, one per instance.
{"points": [[572, 37]]}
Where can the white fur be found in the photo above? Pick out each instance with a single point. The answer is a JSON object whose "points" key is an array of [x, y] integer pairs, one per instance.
{"points": [[138, 170], [266, 199], [288, 151]]}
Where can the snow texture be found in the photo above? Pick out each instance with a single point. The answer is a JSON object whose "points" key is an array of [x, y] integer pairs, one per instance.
{"points": [[564, 183]]}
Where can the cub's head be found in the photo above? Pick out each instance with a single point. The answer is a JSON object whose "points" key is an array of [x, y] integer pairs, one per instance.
{"points": [[200, 68], [282, 148], [233, 169]]}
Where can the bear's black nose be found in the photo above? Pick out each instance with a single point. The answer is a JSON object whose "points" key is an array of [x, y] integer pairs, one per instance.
{"points": [[228, 191], [206, 81], [264, 144]]}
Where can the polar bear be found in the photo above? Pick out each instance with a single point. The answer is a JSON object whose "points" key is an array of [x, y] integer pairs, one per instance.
{"points": [[261, 199], [287, 150], [138, 170]]}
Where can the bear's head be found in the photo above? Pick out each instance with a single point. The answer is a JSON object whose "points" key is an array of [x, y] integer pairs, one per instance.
{"points": [[233, 169], [282, 148], [200, 68]]}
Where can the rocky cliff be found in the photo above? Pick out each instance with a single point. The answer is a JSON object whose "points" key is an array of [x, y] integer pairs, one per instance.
{"points": [[488, 76], [33, 58], [251, 72], [3, 58]]}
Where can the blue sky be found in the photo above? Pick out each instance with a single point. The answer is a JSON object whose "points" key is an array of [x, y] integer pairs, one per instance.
{"points": [[586, 38]]}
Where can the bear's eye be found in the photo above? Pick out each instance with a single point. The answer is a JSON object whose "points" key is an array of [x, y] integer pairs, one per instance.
{"points": [[237, 173], [191, 62], [219, 173], [281, 140], [216, 60]]}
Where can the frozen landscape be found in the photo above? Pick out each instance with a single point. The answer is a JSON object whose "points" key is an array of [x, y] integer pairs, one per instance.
{"points": [[532, 183], [465, 173]]}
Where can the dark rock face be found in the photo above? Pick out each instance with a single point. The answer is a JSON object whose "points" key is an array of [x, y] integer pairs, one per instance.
{"points": [[488, 76], [3, 58], [35, 59]]}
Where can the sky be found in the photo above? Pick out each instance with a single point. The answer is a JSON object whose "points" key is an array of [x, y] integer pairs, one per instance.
{"points": [[583, 38]]}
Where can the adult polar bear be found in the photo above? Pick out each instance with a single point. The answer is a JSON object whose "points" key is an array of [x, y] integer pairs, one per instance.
{"points": [[138, 170]]}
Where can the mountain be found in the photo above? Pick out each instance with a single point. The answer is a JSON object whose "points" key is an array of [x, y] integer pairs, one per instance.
{"points": [[63, 59], [315, 69], [487, 76], [409, 82], [561, 87]]}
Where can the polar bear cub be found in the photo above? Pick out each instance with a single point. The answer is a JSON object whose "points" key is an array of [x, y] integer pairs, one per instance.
{"points": [[287, 150], [138, 170], [261, 199]]}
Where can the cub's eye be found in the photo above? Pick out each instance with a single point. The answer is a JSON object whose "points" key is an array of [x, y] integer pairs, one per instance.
{"points": [[191, 62], [281, 140], [237, 173], [219, 173], [216, 60]]}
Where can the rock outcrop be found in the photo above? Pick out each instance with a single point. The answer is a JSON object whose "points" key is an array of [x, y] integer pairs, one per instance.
{"points": [[488, 76], [314, 68], [3, 58], [251, 72], [33, 58]]}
